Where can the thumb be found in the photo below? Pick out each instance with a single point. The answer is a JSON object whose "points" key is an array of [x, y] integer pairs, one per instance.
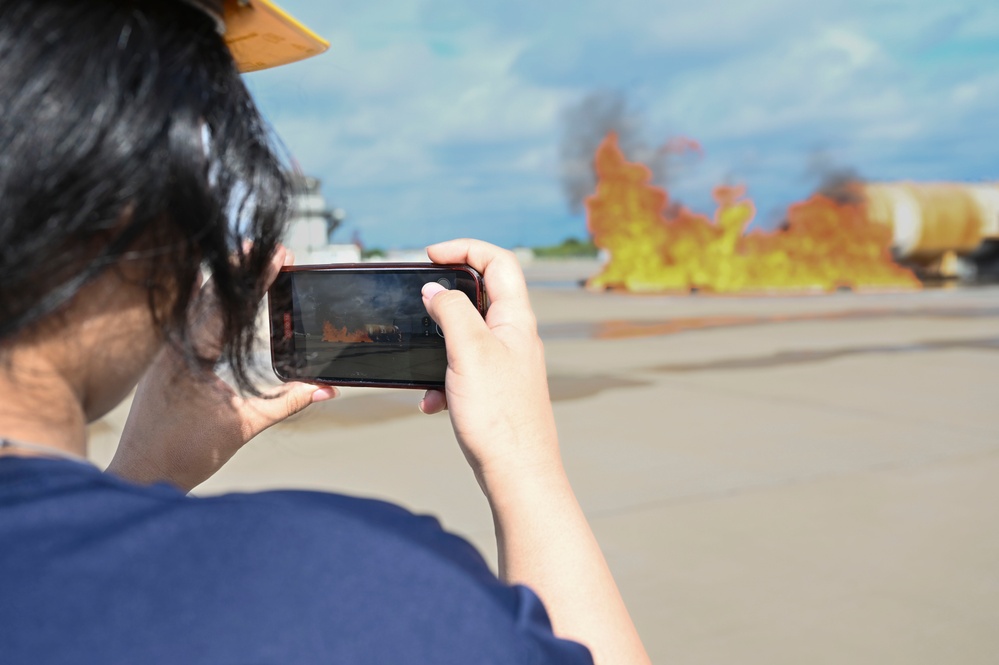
{"points": [[259, 413], [462, 324]]}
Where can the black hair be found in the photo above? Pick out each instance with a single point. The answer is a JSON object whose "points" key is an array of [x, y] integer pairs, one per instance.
{"points": [[127, 134]]}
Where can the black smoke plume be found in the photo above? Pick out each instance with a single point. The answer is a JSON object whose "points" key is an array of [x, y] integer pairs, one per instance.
{"points": [[842, 184], [585, 125]]}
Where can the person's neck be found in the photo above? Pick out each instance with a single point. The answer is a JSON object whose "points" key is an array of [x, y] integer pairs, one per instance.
{"points": [[39, 406]]}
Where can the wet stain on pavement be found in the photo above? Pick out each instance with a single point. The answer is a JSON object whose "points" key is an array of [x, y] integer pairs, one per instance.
{"points": [[383, 406], [628, 329], [361, 410], [364, 410], [784, 358], [566, 388]]}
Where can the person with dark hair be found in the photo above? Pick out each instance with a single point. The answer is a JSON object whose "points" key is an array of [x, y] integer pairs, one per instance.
{"points": [[132, 161]]}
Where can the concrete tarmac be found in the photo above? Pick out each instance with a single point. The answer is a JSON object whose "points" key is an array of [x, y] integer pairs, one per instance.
{"points": [[796, 479]]}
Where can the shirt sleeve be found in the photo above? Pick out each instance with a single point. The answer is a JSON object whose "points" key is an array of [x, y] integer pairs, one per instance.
{"points": [[532, 620]]}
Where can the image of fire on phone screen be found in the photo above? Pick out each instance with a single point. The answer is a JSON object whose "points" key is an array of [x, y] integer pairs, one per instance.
{"points": [[363, 324]]}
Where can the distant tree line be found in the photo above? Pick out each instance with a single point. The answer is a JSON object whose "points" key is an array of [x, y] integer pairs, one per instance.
{"points": [[570, 248]]}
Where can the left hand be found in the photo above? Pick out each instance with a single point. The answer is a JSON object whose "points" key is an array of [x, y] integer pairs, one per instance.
{"points": [[184, 425]]}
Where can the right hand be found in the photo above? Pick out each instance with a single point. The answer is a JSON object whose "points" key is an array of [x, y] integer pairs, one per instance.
{"points": [[496, 390], [496, 387]]}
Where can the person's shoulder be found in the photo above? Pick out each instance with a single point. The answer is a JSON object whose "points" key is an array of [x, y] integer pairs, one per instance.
{"points": [[412, 565], [309, 521], [372, 573], [354, 523], [307, 506]]}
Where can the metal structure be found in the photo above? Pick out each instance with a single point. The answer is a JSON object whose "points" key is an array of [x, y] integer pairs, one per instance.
{"points": [[943, 229], [313, 224]]}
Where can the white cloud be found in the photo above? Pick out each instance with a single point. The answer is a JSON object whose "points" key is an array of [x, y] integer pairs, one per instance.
{"points": [[859, 50], [436, 102]]}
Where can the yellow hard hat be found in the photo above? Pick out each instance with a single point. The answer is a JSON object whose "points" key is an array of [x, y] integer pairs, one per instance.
{"points": [[260, 34]]}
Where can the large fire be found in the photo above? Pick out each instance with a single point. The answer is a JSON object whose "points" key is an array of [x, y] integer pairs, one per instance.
{"points": [[653, 246], [333, 334]]}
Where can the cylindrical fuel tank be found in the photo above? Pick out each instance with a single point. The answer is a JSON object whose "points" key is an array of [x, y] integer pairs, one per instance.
{"points": [[932, 219]]}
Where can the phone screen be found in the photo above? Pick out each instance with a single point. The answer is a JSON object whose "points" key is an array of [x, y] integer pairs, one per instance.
{"points": [[361, 326]]}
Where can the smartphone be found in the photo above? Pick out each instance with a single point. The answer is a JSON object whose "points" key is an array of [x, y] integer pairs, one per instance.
{"points": [[363, 324]]}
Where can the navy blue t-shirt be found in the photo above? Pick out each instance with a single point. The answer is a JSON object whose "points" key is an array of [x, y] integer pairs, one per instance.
{"points": [[96, 570]]}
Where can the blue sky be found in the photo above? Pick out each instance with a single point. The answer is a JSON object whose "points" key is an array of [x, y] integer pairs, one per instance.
{"points": [[431, 119]]}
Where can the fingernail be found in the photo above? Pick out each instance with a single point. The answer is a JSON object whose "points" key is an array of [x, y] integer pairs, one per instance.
{"points": [[430, 289], [324, 394]]}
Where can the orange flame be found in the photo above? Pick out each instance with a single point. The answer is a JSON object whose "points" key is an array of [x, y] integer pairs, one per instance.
{"points": [[333, 334], [657, 247]]}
